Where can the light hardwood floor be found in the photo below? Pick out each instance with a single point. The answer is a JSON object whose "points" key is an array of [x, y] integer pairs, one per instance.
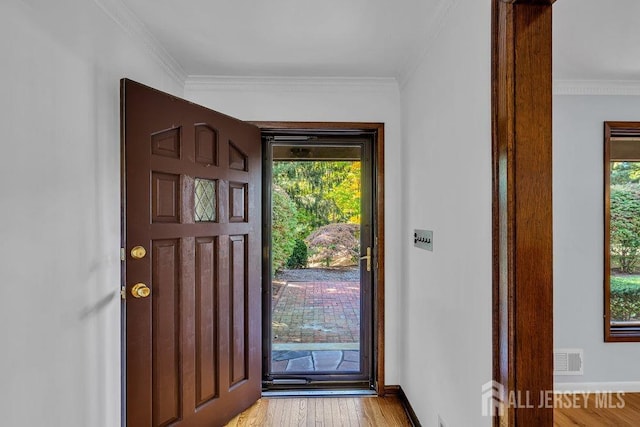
{"points": [[591, 413], [388, 412], [325, 412]]}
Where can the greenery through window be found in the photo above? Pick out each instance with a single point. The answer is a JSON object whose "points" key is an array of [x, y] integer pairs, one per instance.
{"points": [[622, 232], [308, 196]]}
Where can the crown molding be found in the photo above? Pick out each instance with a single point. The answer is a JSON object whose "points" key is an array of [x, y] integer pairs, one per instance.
{"points": [[596, 87], [199, 83], [441, 16], [135, 28]]}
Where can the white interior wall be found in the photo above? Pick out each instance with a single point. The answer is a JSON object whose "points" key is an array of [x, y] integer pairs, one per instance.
{"points": [[578, 241], [446, 294], [331, 100], [60, 216]]}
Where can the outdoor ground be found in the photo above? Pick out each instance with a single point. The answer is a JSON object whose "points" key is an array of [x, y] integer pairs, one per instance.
{"points": [[316, 320], [316, 306]]}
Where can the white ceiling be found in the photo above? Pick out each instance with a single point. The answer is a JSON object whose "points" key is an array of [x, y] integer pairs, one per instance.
{"points": [[593, 39], [345, 38]]}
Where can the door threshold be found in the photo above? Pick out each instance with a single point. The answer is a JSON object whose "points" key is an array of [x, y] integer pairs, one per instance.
{"points": [[319, 393]]}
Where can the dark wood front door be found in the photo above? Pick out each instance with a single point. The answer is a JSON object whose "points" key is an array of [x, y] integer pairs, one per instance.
{"points": [[191, 198]]}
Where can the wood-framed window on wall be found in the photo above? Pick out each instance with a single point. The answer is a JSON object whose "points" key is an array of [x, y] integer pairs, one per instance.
{"points": [[621, 231]]}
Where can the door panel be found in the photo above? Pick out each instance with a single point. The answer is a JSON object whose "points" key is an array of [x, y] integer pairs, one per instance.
{"points": [[192, 200]]}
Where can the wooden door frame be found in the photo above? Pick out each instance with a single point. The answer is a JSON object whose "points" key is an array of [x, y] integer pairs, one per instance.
{"points": [[522, 205], [378, 278]]}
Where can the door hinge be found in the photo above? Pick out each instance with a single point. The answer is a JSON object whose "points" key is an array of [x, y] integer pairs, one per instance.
{"points": [[122, 255], [123, 292]]}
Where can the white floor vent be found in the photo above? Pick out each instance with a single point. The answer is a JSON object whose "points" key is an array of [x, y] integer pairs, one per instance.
{"points": [[568, 361]]}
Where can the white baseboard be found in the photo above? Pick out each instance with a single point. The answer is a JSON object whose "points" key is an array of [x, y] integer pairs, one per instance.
{"points": [[622, 386]]}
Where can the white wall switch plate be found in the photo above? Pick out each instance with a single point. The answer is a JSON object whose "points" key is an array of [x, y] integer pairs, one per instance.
{"points": [[423, 239]]}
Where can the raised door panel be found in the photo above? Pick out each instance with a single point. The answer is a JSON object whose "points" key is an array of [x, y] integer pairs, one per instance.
{"points": [[206, 319], [237, 202], [165, 198], [165, 286], [206, 145], [166, 143], [238, 308]]}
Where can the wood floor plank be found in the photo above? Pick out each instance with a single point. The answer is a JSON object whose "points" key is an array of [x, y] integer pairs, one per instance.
{"points": [[319, 404], [389, 410], [301, 413], [366, 416], [614, 411], [327, 418], [278, 410], [342, 408], [324, 412], [311, 412], [335, 413], [352, 412], [287, 411], [373, 407]]}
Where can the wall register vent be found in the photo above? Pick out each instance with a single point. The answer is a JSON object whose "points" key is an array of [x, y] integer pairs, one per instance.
{"points": [[568, 361]]}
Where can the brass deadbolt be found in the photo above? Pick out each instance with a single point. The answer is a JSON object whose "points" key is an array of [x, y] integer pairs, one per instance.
{"points": [[138, 252]]}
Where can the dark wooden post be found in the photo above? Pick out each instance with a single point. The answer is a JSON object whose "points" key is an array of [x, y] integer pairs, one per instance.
{"points": [[522, 208]]}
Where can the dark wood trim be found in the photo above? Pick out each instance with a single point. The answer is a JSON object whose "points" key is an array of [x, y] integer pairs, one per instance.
{"points": [[378, 279], [629, 333], [319, 126], [379, 317], [123, 266], [502, 177], [391, 390], [396, 390], [539, 2], [522, 206]]}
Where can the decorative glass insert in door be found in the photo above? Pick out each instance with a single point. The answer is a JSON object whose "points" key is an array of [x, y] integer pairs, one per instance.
{"points": [[205, 200]]}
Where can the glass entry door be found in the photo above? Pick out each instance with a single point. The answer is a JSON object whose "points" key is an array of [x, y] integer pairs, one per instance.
{"points": [[318, 277]]}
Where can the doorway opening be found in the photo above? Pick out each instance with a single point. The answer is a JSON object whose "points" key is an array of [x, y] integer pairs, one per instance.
{"points": [[319, 275]]}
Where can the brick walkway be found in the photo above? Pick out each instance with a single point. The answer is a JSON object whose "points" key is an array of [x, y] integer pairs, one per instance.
{"points": [[317, 312]]}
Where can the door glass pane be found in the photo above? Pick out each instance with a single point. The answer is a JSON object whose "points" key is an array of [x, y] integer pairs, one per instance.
{"points": [[316, 287], [205, 200]]}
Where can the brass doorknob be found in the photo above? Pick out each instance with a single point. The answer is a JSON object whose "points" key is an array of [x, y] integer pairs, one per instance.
{"points": [[140, 290], [138, 252]]}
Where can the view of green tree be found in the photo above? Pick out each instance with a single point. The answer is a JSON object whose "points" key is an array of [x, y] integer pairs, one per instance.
{"points": [[625, 226], [284, 227], [324, 192], [306, 196], [346, 195], [625, 173], [299, 256]]}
